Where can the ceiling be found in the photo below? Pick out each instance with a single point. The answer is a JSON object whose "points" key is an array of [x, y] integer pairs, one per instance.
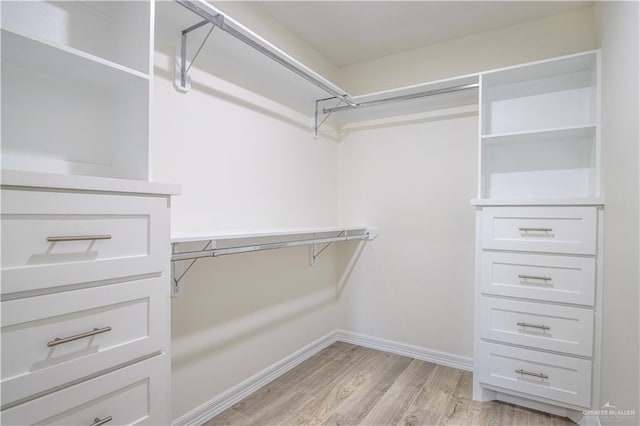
{"points": [[349, 32]]}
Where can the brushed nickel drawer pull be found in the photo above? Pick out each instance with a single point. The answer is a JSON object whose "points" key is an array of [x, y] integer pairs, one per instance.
{"points": [[98, 422], [526, 324], [78, 238], [536, 229], [534, 277], [528, 373], [58, 341]]}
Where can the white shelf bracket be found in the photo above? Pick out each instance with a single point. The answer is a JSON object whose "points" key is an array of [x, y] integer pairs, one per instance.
{"points": [[182, 79]]}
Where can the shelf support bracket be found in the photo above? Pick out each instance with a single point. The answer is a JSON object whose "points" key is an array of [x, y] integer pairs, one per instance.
{"points": [[316, 117], [314, 253], [183, 81], [180, 268]]}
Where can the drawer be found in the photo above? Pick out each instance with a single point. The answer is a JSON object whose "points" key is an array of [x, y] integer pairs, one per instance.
{"points": [[137, 394], [539, 325], [540, 229], [538, 276], [131, 322], [562, 378], [136, 228]]}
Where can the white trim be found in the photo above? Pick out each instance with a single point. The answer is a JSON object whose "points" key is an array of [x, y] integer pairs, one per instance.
{"points": [[417, 352], [225, 400]]}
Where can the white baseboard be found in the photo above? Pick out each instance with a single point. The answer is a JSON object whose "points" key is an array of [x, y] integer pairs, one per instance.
{"points": [[225, 400], [417, 352], [217, 405]]}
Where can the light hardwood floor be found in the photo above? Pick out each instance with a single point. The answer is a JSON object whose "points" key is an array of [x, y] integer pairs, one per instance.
{"points": [[351, 385]]}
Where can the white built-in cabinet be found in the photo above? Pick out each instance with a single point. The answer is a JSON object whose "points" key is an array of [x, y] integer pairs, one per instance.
{"points": [[85, 237], [539, 236], [76, 86], [539, 130]]}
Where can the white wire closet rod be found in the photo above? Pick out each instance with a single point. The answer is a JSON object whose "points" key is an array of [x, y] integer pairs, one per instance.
{"points": [[219, 20]]}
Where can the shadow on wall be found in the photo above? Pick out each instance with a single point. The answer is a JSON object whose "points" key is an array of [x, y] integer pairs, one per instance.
{"points": [[217, 91], [207, 342], [229, 299], [348, 256], [226, 303]]}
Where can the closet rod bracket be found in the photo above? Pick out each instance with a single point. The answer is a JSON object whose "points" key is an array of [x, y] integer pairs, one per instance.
{"points": [[183, 81], [180, 268], [317, 123]]}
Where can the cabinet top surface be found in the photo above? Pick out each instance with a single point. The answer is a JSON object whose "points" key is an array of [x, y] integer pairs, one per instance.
{"points": [[15, 178], [596, 201]]}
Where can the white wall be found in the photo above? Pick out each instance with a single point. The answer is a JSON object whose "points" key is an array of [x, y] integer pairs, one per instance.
{"points": [[414, 283], [539, 39], [619, 24], [243, 163]]}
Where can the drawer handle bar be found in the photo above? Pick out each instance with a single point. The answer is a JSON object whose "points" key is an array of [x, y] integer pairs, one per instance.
{"points": [[98, 422], [536, 229], [526, 324], [78, 238], [58, 341], [534, 277], [528, 373]]}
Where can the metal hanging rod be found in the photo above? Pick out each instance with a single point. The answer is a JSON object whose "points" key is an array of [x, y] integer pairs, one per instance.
{"points": [[402, 98], [218, 21], [215, 252], [179, 270]]}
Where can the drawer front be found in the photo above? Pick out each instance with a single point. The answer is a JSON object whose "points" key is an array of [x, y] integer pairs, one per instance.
{"points": [[562, 378], [108, 326], [137, 394], [540, 229], [551, 327], [541, 277], [125, 236]]}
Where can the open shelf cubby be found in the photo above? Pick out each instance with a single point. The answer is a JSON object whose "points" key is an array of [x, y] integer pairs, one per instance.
{"points": [[539, 130], [76, 105]]}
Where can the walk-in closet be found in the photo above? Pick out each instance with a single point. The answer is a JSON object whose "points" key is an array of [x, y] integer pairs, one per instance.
{"points": [[320, 212]]}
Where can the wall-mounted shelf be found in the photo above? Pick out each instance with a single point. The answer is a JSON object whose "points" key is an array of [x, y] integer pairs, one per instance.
{"points": [[234, 52], [192, 246]]}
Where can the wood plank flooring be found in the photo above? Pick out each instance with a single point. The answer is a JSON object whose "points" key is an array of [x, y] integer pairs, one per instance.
{"points": [[351, 385]]}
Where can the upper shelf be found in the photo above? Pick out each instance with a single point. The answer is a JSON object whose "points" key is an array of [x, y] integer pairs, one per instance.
{"points": [[251, 65], [117, 31], [190, 237], [66, 63]]}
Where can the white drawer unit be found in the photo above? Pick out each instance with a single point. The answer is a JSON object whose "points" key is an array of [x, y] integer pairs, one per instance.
{"points": [[538, 325], [553, 377], [546, 277], [540, 229], [539, 233], [53, 239], [56, 338], [85, 304], [132, 395], [536, 305]]}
